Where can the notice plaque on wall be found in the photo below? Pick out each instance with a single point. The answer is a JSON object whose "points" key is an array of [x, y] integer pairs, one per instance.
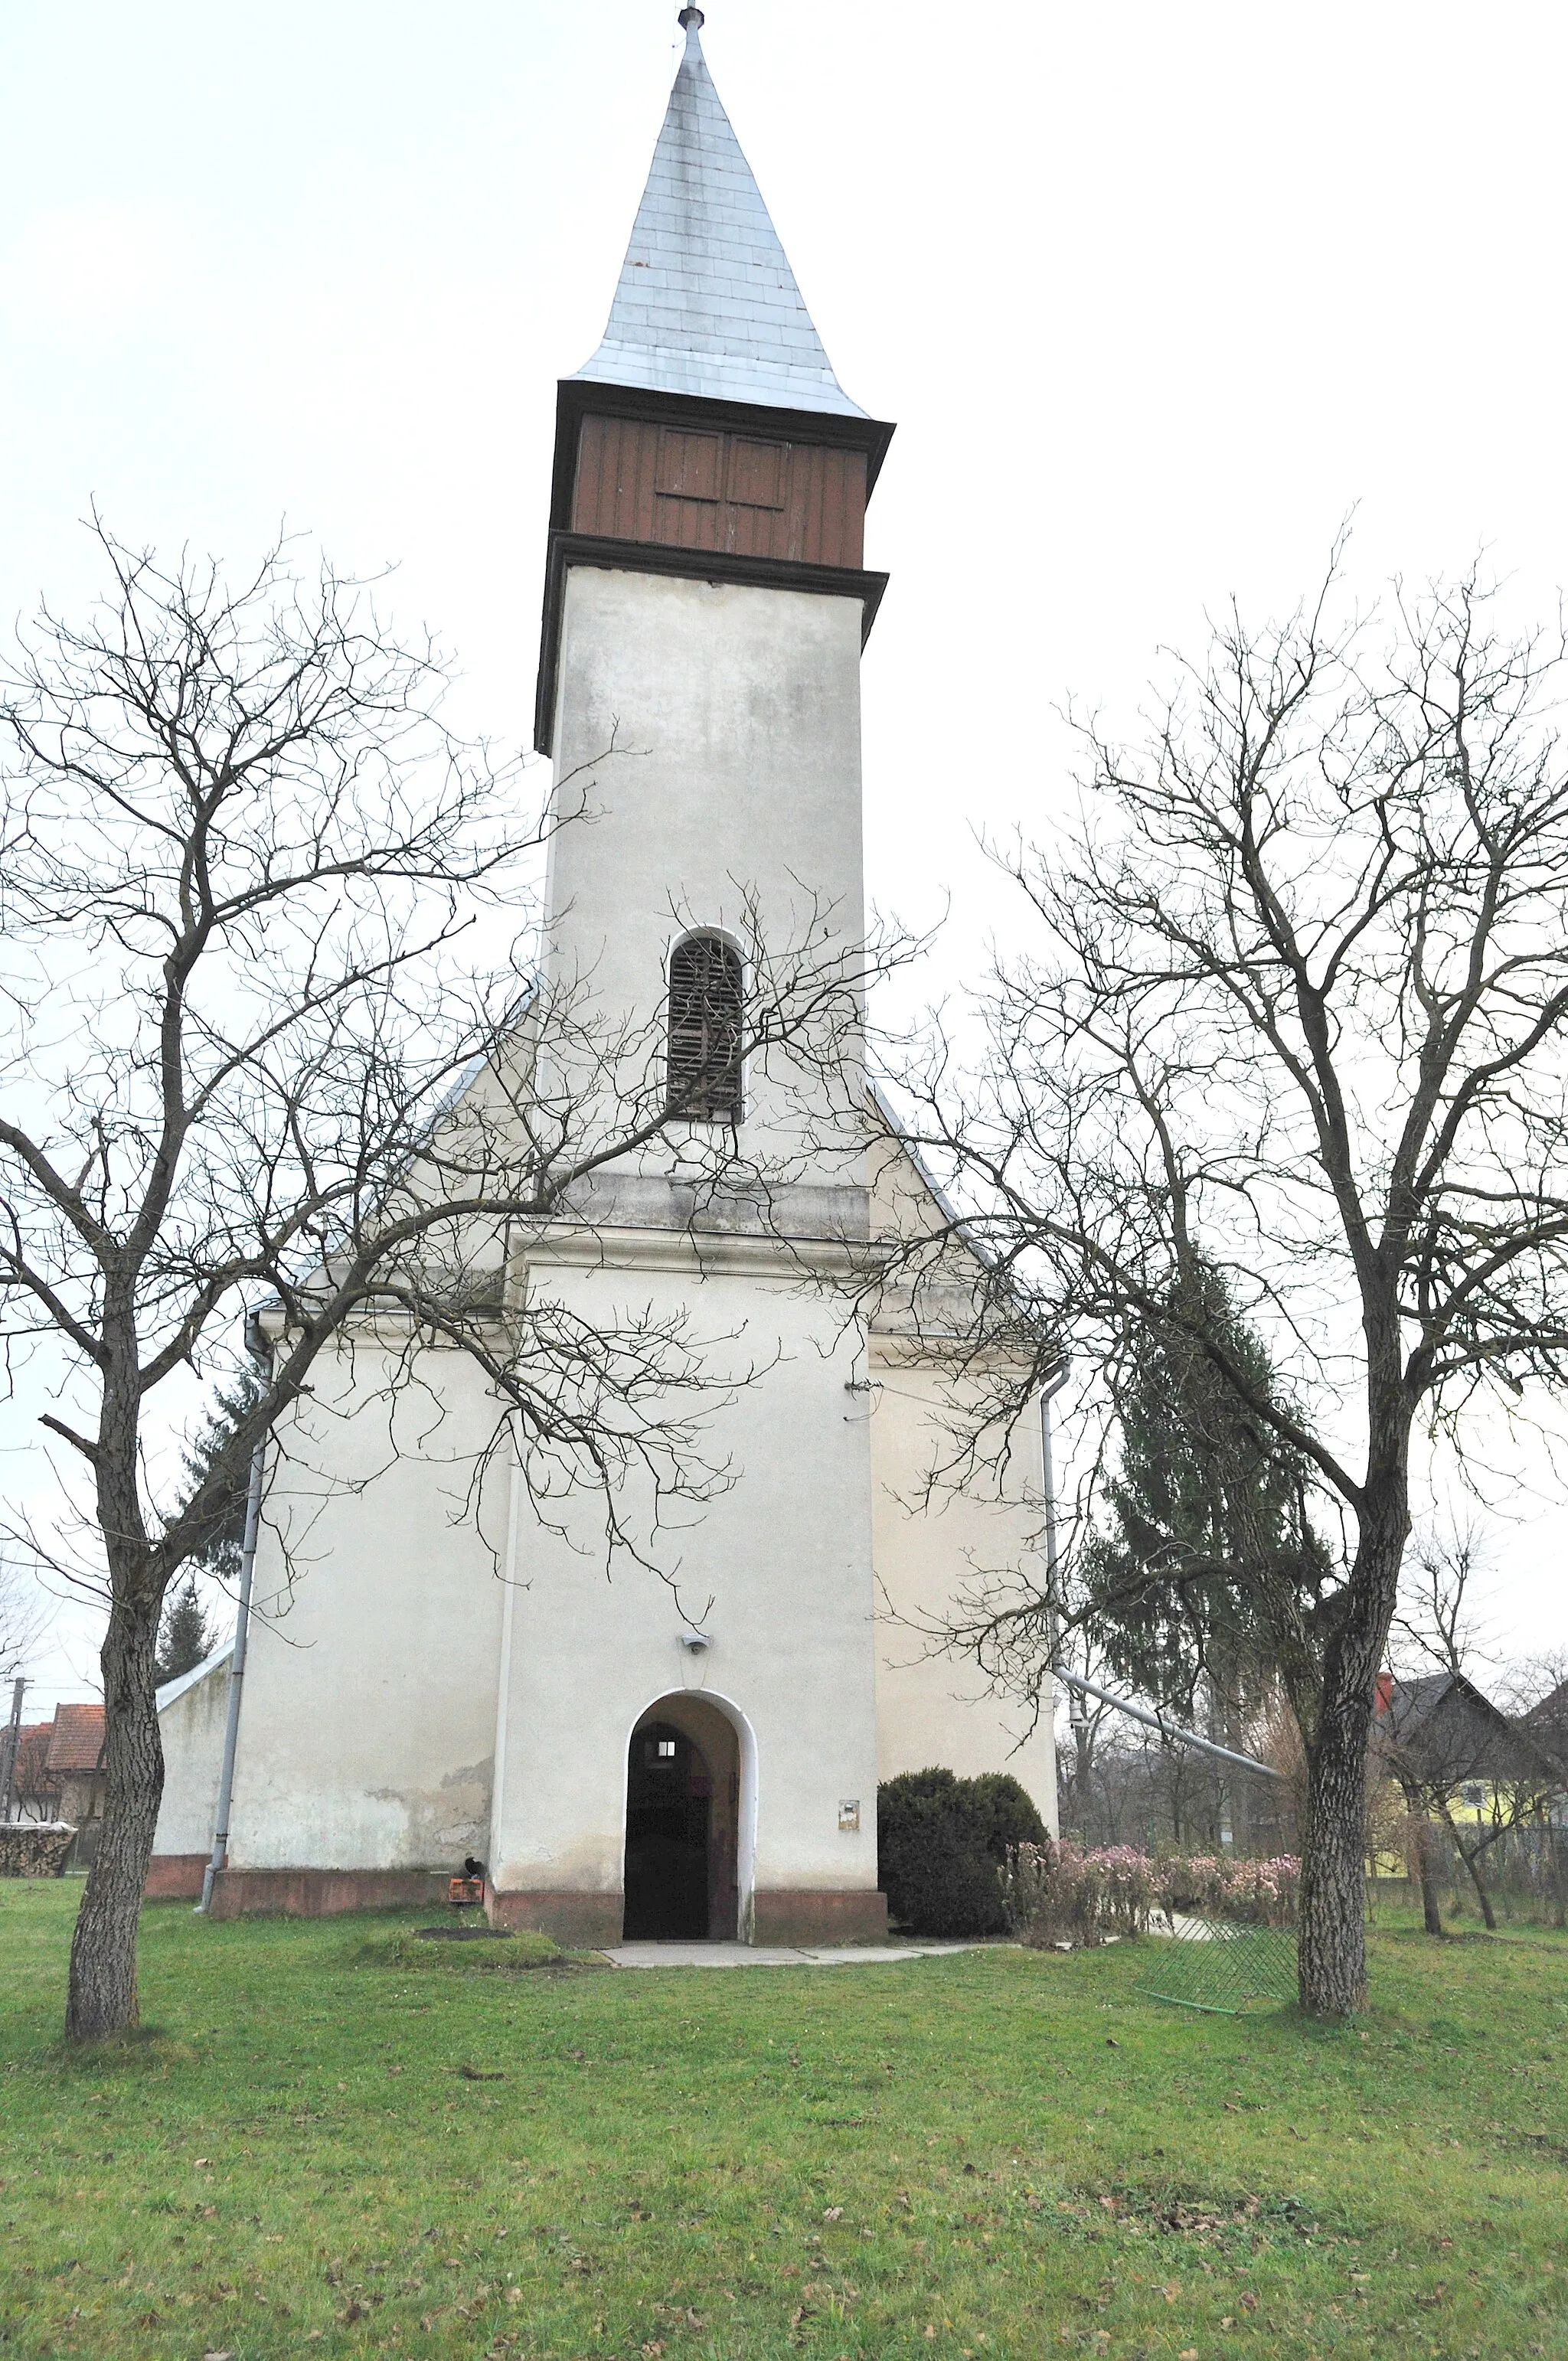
{"points": [[849, 1817]]}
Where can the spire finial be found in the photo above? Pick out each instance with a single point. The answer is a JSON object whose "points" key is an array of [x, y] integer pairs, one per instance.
{"points": [[691, 20]]}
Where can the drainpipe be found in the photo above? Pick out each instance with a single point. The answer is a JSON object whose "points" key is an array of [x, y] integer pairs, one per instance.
{"points": [[1168, 1728], [1049, 1490], [257, 1350]]}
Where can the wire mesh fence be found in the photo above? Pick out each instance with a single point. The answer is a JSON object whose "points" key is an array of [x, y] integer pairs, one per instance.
{"points": [[1219, 1966]]}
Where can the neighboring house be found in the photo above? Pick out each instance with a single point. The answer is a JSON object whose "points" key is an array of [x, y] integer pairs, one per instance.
{"points": [[59, 1773], [706, 605], [1442, 1731], [1444, 1741], [1547, 1724]]}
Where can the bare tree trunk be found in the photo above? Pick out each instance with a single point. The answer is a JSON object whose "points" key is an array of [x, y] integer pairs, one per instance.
{"points": [[102, 1995], [1473, 1865], [1332, 1952], [1485, 1899], [1426, 1870], [1332, 1969]]}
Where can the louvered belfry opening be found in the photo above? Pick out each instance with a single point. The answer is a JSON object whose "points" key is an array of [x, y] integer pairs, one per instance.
{"points": [[707, 1003]]}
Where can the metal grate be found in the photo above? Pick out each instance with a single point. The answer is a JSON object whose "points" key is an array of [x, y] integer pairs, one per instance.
{"points": [[1223, 1969]]}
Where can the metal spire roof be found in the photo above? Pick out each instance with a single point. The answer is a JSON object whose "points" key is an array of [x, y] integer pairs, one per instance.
{"points": [[707, 302]]}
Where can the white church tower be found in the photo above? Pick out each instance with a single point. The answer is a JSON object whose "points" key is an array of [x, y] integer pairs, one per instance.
{"points": [[706, 602], [629, 1757]]}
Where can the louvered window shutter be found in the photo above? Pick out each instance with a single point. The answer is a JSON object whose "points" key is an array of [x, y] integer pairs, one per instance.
{"points": [[705, 1024]]}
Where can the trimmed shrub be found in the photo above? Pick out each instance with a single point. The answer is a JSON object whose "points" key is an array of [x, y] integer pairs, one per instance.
{"points": [[942, 1845]]}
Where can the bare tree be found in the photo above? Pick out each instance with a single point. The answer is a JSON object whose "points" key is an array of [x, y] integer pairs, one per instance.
{"points": [[1297, 1010], [261, 1055], [24, 1611]]}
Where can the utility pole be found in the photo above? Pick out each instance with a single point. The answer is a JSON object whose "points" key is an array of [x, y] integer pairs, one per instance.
{"points": [[13, 1739]]}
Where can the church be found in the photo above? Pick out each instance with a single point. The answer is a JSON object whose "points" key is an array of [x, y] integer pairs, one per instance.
{"points": [[628, 1764]]}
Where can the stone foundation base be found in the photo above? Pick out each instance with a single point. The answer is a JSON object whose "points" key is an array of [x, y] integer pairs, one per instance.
{"points": [[175, 1876], [322, 1893], [807, 1917], [593, 1922], [583, 1922]]}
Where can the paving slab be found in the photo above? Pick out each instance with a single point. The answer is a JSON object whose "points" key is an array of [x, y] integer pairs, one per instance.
{"points": [[765, 1955]]}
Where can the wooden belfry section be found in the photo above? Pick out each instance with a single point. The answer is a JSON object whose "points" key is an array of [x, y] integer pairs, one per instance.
{"points": [[749, 493], [709, 435], [720, 491]]}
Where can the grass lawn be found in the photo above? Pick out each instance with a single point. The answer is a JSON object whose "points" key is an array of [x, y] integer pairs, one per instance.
{"points": [[317, 2147]]}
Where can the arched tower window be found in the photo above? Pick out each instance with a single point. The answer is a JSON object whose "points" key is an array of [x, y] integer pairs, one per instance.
{"points": [[707, 995]]}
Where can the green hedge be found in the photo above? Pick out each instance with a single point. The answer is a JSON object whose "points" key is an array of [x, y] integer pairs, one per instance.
{"points": [[941, 1845]]}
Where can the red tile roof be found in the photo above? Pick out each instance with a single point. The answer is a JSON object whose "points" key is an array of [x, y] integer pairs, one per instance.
{"points": [[77, 1743], [32, 1752]]}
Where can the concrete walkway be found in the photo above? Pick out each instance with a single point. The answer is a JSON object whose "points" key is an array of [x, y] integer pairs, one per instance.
{"points": [[758, 1955]]}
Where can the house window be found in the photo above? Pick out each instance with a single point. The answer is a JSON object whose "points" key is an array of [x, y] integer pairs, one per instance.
{"points": [[705, 1030]]}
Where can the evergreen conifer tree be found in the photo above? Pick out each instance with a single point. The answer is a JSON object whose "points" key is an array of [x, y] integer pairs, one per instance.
{"points": [[1207, 1570], [186, 1639], [221, 1544]]}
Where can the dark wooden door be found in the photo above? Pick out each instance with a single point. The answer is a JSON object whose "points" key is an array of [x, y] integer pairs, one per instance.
{"points": [[669, 1797]]}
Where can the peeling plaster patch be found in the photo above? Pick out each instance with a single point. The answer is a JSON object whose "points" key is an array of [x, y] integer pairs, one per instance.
{"points": [[451, 1818]]}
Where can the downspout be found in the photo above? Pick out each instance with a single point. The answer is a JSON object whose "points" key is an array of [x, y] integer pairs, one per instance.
{"points": [[259, 1352], [1168, 1728], [1053, 1577]]}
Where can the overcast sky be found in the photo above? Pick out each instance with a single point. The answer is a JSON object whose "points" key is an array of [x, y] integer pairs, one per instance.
{"points": [[1193, 283]]}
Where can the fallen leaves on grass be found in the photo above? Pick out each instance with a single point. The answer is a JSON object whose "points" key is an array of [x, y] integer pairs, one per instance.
{"points": [[1204, 2220]]}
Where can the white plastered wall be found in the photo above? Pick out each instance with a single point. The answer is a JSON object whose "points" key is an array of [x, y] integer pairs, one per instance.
{"points": [[930, 1543], [367, 1727], [736, 709], [736, 712], [778, 1568], [191, 1724]]}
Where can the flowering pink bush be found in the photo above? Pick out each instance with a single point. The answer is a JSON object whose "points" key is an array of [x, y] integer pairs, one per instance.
{"points": [[1212, 1885], [1055, 1892], [1058, 1892]]}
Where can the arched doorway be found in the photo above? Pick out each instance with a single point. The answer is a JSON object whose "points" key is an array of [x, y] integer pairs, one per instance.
{"points": [[683, 1792]]}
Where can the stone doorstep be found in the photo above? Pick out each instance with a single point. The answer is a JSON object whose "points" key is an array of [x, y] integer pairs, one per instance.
{"points": [[760, 1955]]}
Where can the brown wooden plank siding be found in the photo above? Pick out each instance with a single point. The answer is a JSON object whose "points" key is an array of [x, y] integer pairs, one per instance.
{"points": [[690, 488]]}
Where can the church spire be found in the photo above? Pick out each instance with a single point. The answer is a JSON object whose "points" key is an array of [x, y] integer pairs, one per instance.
{"points": [[708, 303]]}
